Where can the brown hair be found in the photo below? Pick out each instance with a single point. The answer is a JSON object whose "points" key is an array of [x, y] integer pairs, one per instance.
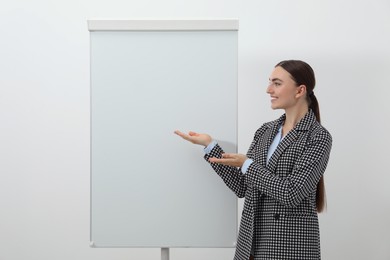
{"points": [[303, 74]]}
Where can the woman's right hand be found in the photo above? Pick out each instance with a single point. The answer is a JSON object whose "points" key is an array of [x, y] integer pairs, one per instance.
{"points": [[195, 138]]}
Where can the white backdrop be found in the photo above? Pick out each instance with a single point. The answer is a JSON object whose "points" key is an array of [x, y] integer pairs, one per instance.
{"points": [[44, 115]]}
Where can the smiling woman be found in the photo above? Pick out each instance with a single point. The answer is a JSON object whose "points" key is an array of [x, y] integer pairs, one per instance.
{"points": [[281, 176]]}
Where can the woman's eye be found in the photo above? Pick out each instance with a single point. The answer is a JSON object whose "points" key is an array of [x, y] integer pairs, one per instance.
{"points": [[273, 83]]}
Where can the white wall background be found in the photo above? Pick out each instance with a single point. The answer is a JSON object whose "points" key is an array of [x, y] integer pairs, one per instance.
{"points": [[44, 115]]}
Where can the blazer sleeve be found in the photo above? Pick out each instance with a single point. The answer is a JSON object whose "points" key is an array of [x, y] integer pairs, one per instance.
{"points": [[232, 176], [303, 179]]}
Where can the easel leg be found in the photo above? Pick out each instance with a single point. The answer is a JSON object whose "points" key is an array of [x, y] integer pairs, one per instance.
{"points": [[164, 253]]}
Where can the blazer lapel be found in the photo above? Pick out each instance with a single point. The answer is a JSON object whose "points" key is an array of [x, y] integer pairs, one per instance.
{"points": [[269, 136], [303, 125], [287, 140]]}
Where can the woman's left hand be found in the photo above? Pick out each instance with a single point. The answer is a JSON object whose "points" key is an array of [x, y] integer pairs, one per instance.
{"points": [[230, 159]]}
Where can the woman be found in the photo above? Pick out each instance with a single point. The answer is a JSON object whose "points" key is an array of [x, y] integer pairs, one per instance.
{"points": [[281, 176]]}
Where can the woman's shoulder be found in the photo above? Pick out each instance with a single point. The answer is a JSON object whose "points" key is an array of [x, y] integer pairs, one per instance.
{"points": [[271, 124], [274, 123], [319, 131], [266, 126]]}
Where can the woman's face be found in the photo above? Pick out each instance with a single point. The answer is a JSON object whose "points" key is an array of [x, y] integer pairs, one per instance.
{"points": [[282, 89]]}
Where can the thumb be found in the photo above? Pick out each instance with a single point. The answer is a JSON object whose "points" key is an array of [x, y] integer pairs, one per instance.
{"points": [[191, 133], [226, 155]]}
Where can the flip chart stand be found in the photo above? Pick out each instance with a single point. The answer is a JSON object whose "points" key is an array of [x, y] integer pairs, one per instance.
{"points": [[164, 253]]}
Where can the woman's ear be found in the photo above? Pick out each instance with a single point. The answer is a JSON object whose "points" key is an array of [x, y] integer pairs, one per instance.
{"points": [[301, 91]]}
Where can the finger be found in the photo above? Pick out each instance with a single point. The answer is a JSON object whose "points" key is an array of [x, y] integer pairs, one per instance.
{"points": [[225, 161], [183, 135], [227, 155], [180, 133], [220, 161], [216, 160], [191, 133]]}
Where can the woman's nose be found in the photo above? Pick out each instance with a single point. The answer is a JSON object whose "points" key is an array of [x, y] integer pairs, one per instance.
{"points": [[269, 89]]}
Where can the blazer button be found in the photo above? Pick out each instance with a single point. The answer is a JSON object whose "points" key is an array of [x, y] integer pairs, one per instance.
{"points": [[276, 216]]}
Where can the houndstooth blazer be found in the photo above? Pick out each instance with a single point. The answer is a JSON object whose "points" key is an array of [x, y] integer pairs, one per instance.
{"points": [[279, 217]]}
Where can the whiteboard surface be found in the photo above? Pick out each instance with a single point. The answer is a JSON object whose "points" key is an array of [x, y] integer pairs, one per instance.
{"points": [[150, 188]]}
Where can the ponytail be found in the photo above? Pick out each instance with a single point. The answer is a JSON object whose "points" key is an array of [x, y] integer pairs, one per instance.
{"points": [[321, 196], [320, 192], [313, 105]]}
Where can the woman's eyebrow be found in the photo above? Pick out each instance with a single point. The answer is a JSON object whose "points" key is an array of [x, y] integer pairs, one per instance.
{"points": [[275, 79]]}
